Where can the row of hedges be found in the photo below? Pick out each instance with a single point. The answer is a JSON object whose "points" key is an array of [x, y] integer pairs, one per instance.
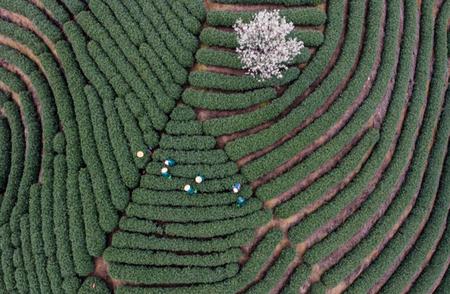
{"points": [[196, 8], [297, 15], [438, 263], [12, 114], [36, 236], [430, 183], [181, 49], [387, 132], [226, 58], [312, 72], [184, 128], [191, 214], [188, 40], [404, 148], [152, 197], [97, 32], [281, 2], [172, 275], [133, 134], [218, 228], [216, 37], [94, 235], [28, 260], [136, 225], [220, 81], [184, 142], [144, 257], [427, 206], [274, 274], [353, 161], [152, 242], [242, 146], [116, 183], [246, 273], [154, 43], [227, 101], [210, 157], [271, 135], [5, 150], [321, 125], [31, 11], [22, 36], [190, 22], [183, 113], [216, 171], [160, 183]]}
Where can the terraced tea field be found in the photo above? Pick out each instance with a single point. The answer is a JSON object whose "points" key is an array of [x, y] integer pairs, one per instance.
{"points": [[109, 108]]}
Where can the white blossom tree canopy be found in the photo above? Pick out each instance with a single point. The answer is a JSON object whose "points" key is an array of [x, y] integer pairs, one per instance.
{"points": [[264, 48]]}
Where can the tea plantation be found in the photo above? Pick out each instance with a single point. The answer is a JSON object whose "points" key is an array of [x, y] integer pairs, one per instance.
{"points": [[136, 156]]}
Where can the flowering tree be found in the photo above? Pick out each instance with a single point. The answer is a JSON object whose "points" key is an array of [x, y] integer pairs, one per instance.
{"points": [[263, 48]]}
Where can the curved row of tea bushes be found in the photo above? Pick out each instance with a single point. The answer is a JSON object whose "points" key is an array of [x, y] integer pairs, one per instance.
{"points": [[282, 2], [269, 161], [270, 111], [417, 170], [297, 15], [246, 145]]}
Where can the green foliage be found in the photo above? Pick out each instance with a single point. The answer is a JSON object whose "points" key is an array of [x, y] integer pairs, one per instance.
{"points": [[221, 101], [237, 83], [153, 242], [93, 285], [59, 143], [5, 150], [25, 239], [85, 85], [191, 214], [296, 15], [218, 228], [172, 275], [144, 257], [284, 2], [60, 221], [95, 237], [231, 59], [133, 224], [275, 132], [216, 37], [17, 160]]}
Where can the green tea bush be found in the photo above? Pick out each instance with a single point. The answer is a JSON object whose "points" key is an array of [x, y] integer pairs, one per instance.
{"points": [[152, 242], [5, 150], [144, 257], [172, 275], [296, 15], [191, 214], [283, 2], [93, 285], [36, 241], [219, 100], [95, 237], [115, 182], [235, 83]]}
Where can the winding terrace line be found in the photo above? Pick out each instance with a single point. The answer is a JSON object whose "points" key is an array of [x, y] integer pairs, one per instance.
{"points": [[371, 257], [287, 223], [428, 257], [29, 85], [333, 258], [22, 21], [222, 140], [330, 133], [438, 281]]}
